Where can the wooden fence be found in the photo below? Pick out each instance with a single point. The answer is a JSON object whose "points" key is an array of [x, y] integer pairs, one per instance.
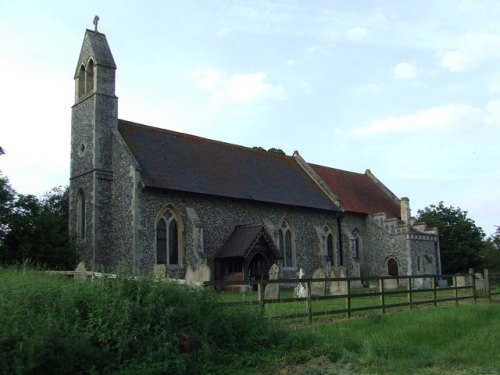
{"points": [[378, 294]]}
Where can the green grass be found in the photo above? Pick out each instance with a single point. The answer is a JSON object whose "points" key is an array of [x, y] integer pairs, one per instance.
{"points": [[433, 341], [55, 325]]}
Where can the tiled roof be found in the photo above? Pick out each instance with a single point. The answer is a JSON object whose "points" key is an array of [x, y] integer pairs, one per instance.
{"points": [[242, 240], [182, 162], [357, 192]]}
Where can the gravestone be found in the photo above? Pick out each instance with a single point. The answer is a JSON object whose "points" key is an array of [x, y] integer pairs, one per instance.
{"points": [[160, 271], [199, 275], [338, 287], [391, 283], [318, 287], [81, 272], [300, 291], [272, 291]]}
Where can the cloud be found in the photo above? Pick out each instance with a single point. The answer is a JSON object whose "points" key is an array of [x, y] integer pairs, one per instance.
{"points": [[434, 120], [472, 50], [405, 71], [238, 88]]}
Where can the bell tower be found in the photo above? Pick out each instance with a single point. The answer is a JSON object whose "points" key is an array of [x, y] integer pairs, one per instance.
{"points": [[93, 121]]}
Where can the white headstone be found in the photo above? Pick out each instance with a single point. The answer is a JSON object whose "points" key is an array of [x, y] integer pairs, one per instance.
{"points": [[199, 275], [81, 272], [300, 291]]}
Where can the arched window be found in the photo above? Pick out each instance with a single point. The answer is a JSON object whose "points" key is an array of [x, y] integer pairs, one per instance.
{"points": [[90, 76], [419, 263], [355, 243], [286, 244], [168, 249], [81, 81], [329, 245], [80, 215]]}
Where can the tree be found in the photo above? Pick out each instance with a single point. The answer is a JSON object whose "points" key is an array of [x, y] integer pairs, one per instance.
{"points": [[7, 197], [272, 150], [461, 241], [490, 253]]}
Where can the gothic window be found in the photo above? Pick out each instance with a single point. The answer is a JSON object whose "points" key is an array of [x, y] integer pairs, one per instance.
{"points": [[90, 76], [168, 249], [80, 215], [81, 81], [286, 244], [355, 243], [329, 246], [419, 263]]}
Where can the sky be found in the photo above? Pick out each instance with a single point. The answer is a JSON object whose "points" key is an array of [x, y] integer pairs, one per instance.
{"points": [[407, 89]]}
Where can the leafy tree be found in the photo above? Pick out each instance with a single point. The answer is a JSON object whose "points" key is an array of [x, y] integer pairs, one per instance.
{"points": [[490, 253], [272, 150], [37, 230], [7, 196], [461, 241]]}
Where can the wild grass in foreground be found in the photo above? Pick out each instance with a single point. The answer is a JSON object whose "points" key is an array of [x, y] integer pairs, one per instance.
{"points": [[55, 325]]}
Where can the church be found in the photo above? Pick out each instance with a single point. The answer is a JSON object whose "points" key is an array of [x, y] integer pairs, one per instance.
{"points": [[142, 196]]}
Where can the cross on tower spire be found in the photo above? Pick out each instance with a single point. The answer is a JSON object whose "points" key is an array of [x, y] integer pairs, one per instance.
{"points": [[96, 21]]}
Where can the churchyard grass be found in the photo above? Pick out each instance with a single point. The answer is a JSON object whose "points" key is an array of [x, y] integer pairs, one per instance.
{"points": [[52, 324]]}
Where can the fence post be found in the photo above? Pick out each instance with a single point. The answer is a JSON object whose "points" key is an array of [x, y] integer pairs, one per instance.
{"points": [[410, 295], [473, 283], [260, 289], [348, 298], [382, 297], [486, 277], [434, 289], [308, 303], [456, 289]]}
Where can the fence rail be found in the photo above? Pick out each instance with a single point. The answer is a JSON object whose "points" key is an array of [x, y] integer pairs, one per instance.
{"points": [[378, 293], [379, 296]]}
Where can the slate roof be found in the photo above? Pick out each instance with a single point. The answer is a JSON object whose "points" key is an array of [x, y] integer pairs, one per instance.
{"points": [[182, 162], [242, 240], [357, 192]]}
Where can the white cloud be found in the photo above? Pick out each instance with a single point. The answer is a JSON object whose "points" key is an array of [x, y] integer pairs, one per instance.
{"points": [[433, 120], [405, 71], [239, 88], [472, 50]]}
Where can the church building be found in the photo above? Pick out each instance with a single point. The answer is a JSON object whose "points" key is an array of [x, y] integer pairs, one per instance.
{"points": [[142, 196]]}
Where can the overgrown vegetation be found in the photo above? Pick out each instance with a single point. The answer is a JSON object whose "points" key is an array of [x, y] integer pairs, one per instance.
{"points": [[50, 324], [53, 325]]}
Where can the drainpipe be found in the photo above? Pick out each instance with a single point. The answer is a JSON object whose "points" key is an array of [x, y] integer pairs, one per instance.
{"points": [[341, 245]]}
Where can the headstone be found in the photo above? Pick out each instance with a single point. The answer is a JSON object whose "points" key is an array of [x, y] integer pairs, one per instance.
{"points": [[390, 283], [318, 287], [199, 275], [272, 291], [160, 271], [81, 272], [300, 291], [338, 287]]}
